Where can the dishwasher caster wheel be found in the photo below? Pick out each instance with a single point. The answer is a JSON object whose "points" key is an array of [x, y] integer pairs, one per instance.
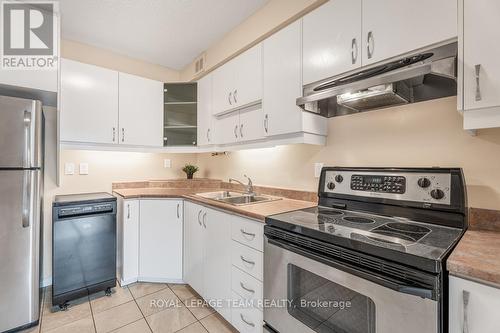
{"points": [[63, 306], [108, 292]]}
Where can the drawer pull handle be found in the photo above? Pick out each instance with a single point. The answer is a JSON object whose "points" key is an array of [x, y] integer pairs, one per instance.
{"points": [[247, 289], [247, 261], [245, 321], [247, 233], [465, 296]]}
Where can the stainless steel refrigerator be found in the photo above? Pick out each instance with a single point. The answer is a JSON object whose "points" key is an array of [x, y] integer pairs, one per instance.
{"points": [[21, 192]]}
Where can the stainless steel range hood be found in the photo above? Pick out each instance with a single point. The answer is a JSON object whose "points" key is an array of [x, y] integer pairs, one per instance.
{"points": [[422, 75]]}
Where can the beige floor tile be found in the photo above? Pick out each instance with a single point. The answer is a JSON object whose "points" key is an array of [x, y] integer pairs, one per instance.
{"points": [[216, 324], [198, 307], [194, 328], [139, 326], [170, 320], [53, 318], [117, 317], [100, 302], [140, 289], [183, 291], [85, 325], [158, 301]]}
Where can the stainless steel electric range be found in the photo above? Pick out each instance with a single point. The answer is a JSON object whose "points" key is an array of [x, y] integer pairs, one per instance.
{"points": [[371, 257]]}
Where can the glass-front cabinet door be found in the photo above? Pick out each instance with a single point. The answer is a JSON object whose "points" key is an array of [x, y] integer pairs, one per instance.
{"points": [[180, 114]]}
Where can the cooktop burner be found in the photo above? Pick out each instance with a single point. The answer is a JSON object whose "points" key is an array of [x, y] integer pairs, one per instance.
{"points": [[357, 219]]}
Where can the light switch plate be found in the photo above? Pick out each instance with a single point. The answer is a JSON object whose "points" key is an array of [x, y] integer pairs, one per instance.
{"points": [[84, 168], [317, 169], [167, 163], [69, 168]]}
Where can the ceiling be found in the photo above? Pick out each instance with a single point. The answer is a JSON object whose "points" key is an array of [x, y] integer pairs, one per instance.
{"points": [[170, 33]]}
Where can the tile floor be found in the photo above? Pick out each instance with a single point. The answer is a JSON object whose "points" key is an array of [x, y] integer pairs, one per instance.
{"points": [[137, 308]]}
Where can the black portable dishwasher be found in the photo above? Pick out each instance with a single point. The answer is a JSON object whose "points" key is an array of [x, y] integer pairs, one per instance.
{"points": [[83, 246]]}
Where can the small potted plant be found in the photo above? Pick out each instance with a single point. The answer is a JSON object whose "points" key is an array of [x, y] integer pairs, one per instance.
{"points": [[190, 169]]}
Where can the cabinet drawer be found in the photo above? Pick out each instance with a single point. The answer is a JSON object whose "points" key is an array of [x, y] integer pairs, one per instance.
{"points": [[247, 259], [244, 318], [248, 287], [248, 232]]}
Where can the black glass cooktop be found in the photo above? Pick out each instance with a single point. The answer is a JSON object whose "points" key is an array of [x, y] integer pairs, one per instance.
{"points": [[393, 233]]}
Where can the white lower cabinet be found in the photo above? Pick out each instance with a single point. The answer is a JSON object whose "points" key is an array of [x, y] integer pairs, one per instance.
{"points": [[149, 244], [474, 307]]}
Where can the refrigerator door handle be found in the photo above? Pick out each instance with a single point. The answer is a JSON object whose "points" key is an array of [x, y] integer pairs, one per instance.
{"points": [[27, 204], [27, 139]]}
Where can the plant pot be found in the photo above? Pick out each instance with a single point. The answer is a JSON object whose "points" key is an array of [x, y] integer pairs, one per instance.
{"points": [[190, 176]]}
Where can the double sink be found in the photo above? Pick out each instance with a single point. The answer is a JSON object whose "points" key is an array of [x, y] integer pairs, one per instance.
{"points": [[236, 198]]}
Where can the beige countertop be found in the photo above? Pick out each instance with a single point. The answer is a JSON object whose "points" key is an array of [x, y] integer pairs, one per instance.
{"points": [[257, 211], [477, 255]]}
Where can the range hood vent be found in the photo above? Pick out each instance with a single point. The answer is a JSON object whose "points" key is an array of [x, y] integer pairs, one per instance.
{"points": [[423, 75]]}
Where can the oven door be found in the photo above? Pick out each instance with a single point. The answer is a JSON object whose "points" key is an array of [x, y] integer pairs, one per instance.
{"points": [[305, 295]]}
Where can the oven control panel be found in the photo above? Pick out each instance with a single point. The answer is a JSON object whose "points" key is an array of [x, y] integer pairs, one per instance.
{"points": [[404, 186]]}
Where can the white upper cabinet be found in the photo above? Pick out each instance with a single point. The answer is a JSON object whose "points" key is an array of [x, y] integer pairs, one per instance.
{"points": [[228, 128], [238, 83], [332, 39], [394, 27], [204, 117], [141, 111], [89, 103], [251, 125]]}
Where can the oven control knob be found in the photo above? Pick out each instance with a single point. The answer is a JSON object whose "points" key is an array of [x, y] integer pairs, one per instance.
{"points": [[424, 182], [331, 185], [437, 194], [339, 178]]}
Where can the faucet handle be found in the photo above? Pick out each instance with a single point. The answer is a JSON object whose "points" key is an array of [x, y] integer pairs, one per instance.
{"points": [[249, 180]]}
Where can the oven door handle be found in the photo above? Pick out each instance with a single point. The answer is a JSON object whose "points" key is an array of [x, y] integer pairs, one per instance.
{"points": [[377, 278]]}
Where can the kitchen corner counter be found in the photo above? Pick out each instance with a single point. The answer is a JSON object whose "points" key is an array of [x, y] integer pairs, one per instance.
{"points": [[476, 256], [187, 189]]}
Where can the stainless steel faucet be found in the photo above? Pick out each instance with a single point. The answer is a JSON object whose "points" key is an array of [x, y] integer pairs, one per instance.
{"points": [[248, 187]]}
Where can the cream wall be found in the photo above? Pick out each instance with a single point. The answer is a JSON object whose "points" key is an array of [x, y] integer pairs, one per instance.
{"points": [[275, 15], [423, 134]]}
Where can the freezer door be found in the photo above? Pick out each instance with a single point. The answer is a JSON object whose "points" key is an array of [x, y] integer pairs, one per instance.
{"points": [[20, 205], [20, 133]]}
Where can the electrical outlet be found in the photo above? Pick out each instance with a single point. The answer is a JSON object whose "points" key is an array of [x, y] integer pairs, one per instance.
{"points": [[69, 168], [84, 168], [317, 169], [167, 163]]}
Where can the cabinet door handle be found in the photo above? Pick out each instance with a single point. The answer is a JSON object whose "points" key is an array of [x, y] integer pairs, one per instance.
{"points": [[465, 297], [247, 261], [371, 42], [204, 219], [199, 218], [478, 87], [266, 122], [245, 321], [128, 211], [229, 98], [178, 213], [241, 130], [247, 233], [234, 96], [114, 134], [235, 131], [354, 51], [247, 289], [208, 135], [123, 134]]}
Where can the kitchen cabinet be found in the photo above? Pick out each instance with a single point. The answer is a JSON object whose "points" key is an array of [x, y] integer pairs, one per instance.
{"points": [[140, 111], [394, 27], [283, 83], [332, 40], [208, 248], [205, 118], [160, 240], [227, 128], [477, 315], [238, 83], [127, 241], [478, 95], [89, 103], [240, 126]]}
